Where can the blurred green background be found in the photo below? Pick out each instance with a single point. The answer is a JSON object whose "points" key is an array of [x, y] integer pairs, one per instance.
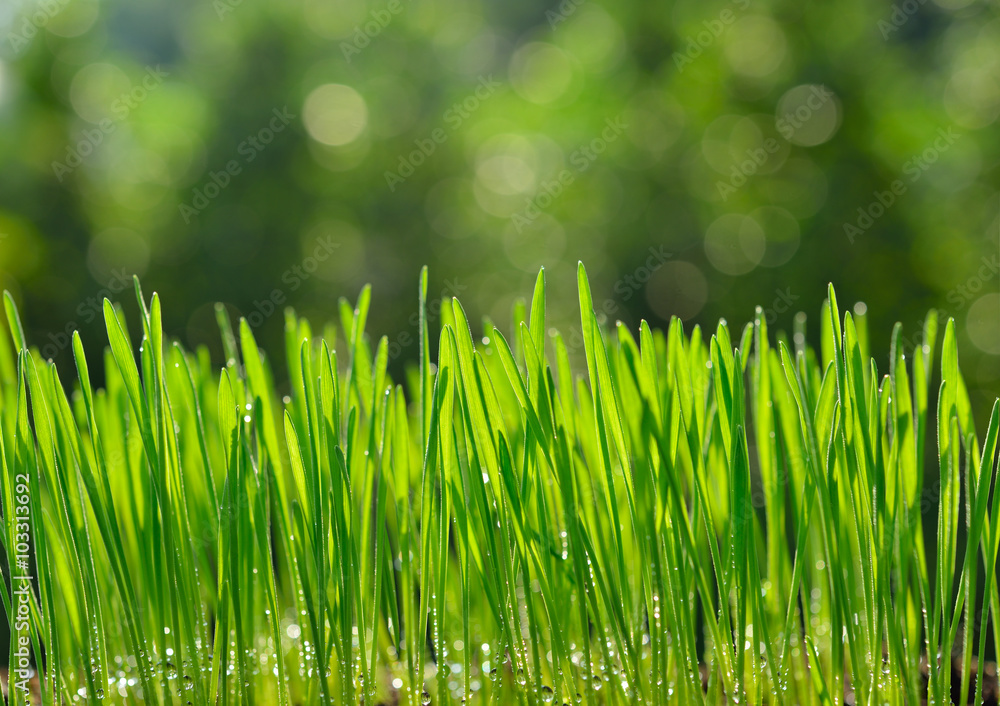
{"points": [[699, 157]]}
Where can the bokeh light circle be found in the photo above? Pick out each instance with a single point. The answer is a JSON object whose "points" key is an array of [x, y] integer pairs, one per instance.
{"points": [[540, 73], [735, 244], [595, 39], [73, 19], [808, 115], [755, 46], [653, 121], [972, 97], [335, 114], [95, 89], [781, 232], [983, 323]]}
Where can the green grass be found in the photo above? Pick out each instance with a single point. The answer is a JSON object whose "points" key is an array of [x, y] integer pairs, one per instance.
{"points": [[498, 527]]}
